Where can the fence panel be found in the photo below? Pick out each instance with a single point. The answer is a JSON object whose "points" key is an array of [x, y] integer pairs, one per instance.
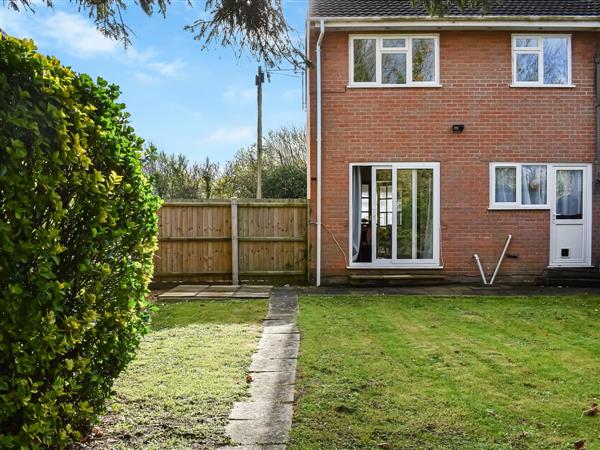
{"points": [[195, 241]]}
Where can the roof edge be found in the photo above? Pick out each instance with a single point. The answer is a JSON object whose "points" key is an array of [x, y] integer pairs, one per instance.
{"points": [[454, 18]]}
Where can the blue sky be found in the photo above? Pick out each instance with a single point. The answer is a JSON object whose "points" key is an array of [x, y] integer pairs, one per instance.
{"points": [[183, 98]]}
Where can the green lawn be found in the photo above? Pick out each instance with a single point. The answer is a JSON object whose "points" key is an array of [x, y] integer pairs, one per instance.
{"points": [[447, 373], [188, 372]]}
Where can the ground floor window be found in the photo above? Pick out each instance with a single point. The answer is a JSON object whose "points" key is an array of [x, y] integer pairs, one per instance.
{"points": [[517, 185], [394, 214]]}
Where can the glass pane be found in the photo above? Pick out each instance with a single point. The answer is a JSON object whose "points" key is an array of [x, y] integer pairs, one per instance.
{"points": [[393, 66], [394, 43], [527, 67], [404, 220], [423, 55], [506, 184], [533, 185], [555, 61], [384, 213], [424, 214], [364, 60], [569, 194], [527, 42]]}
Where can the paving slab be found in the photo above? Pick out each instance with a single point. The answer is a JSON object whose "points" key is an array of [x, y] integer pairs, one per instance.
{"points": [[222, 288], [280, 352], [264, 421], [214, 294], [258, 432], [250, 294], [183, 291], [273, 410], [273, 365], [257, 287], [268, 391], [276, 338], [281, 329], [256, 447], [273, 378]]}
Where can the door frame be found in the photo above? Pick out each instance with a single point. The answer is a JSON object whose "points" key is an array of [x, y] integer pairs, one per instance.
{"points": [[375, 263], [587, 212]]}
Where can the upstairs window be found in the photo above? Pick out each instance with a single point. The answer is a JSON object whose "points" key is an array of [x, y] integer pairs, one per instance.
{"points": [[541, 60], [394, 61]]}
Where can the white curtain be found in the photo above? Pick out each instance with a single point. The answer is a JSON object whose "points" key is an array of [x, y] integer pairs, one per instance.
{"points": [[569, 193], [356, 211], [425, 230], [533, 185], [506, 184]]}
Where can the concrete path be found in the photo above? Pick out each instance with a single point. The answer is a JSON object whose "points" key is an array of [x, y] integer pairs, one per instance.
{"points": [[263, 422]]}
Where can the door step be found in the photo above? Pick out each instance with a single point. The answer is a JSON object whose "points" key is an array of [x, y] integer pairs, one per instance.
{"points": [[397, 280], [571, 277]]}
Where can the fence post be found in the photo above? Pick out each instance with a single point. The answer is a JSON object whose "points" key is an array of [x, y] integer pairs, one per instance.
{"points": [[235, 274]]}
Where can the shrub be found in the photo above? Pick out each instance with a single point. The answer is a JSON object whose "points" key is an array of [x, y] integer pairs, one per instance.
{"points": [[285, 182], [78, 230]]}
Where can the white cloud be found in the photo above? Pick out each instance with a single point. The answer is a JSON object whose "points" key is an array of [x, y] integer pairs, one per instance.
{"points": [[79, 36], [76, 34], [136, 56], [168, 68], [230, 135], [145, 78], [239, 96]]}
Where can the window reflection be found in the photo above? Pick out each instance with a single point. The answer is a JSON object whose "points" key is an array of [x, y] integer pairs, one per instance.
{"points": [[364, 60]]}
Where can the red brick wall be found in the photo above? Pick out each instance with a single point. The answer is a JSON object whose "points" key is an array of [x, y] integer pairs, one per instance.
{"points": [[414, 124]]}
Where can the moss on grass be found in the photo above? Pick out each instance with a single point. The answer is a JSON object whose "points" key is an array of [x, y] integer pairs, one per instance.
{"points": [[188, 372]]}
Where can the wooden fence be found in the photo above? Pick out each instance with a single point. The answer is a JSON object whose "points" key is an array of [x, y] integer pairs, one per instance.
{"points": [[233, 241]]}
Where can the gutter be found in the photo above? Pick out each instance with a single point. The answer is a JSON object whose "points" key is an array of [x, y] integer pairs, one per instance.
{"points": [[464, 22], [319, 140], [486, 18]]}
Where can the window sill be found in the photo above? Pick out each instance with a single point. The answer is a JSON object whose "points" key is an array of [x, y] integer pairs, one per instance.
{"points": [[519, 208], [393, 266], [394, 86], [543, 86]]}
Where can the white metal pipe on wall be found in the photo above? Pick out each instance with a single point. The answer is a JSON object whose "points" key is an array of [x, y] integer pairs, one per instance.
{"points": [[322, 33], [501, 258]]}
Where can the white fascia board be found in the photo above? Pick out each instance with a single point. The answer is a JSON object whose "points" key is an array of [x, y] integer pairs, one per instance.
{"points": [[463, 23]]}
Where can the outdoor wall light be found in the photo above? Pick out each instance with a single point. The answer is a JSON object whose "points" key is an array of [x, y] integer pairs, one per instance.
{"points": [[458, 128]]}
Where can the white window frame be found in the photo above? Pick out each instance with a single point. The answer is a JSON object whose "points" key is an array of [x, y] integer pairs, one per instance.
{"points": [[539, 50], [518, 203], [379, 50], [395, 263]]}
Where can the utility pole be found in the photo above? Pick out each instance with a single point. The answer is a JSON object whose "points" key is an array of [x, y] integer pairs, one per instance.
{"points": [[260, 79]]}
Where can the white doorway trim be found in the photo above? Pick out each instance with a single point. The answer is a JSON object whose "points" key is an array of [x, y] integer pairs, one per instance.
{"points": [[585, 223]]}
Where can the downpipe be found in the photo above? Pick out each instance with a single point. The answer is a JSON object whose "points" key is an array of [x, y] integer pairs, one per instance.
{"points": [[319, 140]]}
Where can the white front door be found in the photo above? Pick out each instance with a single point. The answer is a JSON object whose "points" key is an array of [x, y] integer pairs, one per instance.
{"points": [[570, 219]]}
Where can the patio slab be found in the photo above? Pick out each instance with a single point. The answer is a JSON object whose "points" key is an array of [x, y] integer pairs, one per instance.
{"points": [[183, 291], [204, 291]]}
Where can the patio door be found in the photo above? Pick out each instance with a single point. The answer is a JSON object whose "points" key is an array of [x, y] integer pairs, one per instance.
{"points": [[405, 212], [570, 226]]}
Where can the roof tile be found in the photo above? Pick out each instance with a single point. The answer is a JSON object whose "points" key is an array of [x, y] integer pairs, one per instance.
{"points": [[404, 8]]}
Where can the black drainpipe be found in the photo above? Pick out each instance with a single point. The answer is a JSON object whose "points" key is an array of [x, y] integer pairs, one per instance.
{"points": [[597, 60]]}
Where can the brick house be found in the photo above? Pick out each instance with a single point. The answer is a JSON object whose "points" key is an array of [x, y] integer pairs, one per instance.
{"points": [[434, 139]]}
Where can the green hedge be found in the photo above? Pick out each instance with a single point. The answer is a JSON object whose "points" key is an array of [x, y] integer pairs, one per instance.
{"points": [[78, 230]]}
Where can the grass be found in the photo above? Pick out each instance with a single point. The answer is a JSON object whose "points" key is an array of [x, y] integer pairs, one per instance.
{"points": [[188, 372], [447, 373]]}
